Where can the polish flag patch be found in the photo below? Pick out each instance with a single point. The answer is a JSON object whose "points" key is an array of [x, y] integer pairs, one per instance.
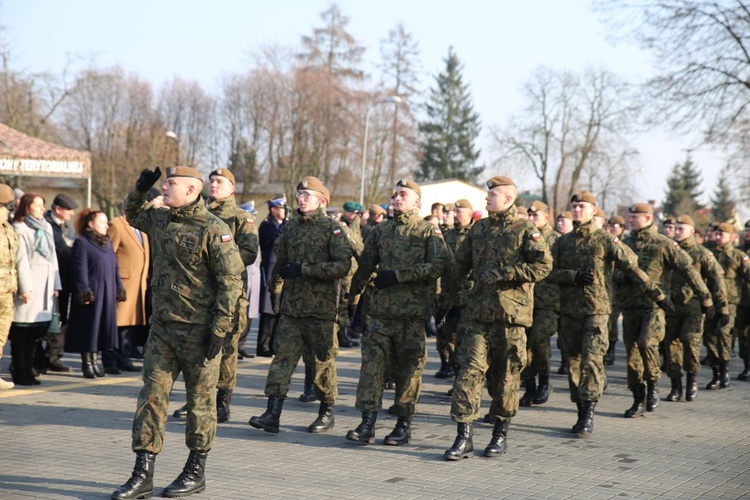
{"points": [[337, 231], [226, 238], [536, 236]]}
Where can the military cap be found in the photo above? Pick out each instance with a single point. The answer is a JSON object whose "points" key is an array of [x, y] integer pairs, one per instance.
{"points": [[522, 210], [314, 184], [641, 208], [224, 172], [712, 226], [685, 219], [65, 201], [669, 220], [249, 206], [616, 219], [448, 207], [6, 194], [538, 206], [464, 204], [726, 227], [500, 180], [353, 206], [410, 184], [184, 172], [376, 210], [598, 212], [584, 196], [565, 215], [332, 210], [278, 200]]}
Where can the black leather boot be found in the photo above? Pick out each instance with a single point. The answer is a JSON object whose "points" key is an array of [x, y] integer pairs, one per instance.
{"points": [[716, 380], [587, 419], [98, 371], [609, 357], [325, 419], [528, 396], [365, 431], [344, 341], [30, 343], [308, 393], [724, 378], [223, 399], [652, 397], [639, 400], [269, 421], [445, 370], [691, 387], [109, 360], [541, 395], [141, 483], [564, 369], [745, 375], [86, 367], [192, 479], [181, 412], [676, 393], [577, 426], [401, 434], [499, 441], [463, 446]]}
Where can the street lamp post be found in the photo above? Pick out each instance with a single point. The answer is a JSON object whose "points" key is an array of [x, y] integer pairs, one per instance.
{"points": [[391, 99], [173, 136]]}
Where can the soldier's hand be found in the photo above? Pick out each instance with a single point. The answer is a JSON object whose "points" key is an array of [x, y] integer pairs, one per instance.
{"points": [[121, 295], [276, 303], [709, 311], [585, 277], [384, 279], [666, 304], [492, 276], [291, 271], [215, 343], [723, 319], [147, 179]]}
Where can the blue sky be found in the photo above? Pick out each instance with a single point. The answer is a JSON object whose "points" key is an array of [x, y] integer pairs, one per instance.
{"points": [[499, 43]]}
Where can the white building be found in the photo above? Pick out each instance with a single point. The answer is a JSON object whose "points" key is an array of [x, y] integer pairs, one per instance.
{"points": [[450, 191]]}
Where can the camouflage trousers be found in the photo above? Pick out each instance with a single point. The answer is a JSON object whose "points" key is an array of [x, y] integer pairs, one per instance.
{"points": [[642, 331], [585, 341], [742, 330], [718, 339], [613, 328], [683, 339], [398, 346], [495, 351], [6, 318], [302, 337], [538, 348], [445, 341], [228, 366], [173, 348]]}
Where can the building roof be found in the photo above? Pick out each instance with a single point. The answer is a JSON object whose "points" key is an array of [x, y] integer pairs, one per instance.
{"points": [[21, 154]]}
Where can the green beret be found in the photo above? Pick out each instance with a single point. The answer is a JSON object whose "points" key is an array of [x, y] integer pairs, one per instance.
{"points": [[353, 206]]}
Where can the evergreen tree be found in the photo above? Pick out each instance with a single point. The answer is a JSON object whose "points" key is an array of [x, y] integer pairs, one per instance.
{"points": [[451, 128], [683, 188], [722, 202]]}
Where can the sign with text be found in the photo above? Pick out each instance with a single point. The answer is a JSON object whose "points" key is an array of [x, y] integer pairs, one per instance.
{"points": [[45, 168]]}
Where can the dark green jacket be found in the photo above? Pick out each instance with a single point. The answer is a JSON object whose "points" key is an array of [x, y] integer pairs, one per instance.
{"points": [[242, 225], [711, 272], [736, 265], [547, 293]]}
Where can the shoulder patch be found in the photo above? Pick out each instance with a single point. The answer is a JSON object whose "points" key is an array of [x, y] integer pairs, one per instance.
{"points": [[438, 231], [536, 236], [675, 244], [337, 231], [745, 257], [226, 238], [616, 239]]}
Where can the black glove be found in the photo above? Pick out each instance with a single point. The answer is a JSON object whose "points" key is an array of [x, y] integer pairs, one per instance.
{"points": [[147, 179], [291, 271], [584, 277], [709, 311], [667, 304], [723, 319], [276, 303], [121, 296], [83, 298], [215, 343], [454, 314], [492, 276], [384, 279], [440, 315]]}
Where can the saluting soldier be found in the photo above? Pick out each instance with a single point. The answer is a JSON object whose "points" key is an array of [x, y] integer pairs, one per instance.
{"points": [[507, 255], [196, 283]]}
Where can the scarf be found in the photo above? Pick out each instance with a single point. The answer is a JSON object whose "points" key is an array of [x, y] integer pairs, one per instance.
{"points": [[99, 240], [41, 237]]}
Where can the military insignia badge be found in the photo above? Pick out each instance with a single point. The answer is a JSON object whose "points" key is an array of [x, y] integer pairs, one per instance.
{"points": [[337, 231], [172, 170], [438, 231], [745, 258], [616, 239], [536, 236], [226, 238]]}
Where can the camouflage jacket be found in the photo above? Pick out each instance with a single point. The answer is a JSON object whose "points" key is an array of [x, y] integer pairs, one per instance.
{"points": [[547, 293], [453, 239], [241, 224], [321, 246], [355, 233], [745, 289], [590, 248], [367, 229], [515, 246], [414, 249], [659, 256], [711, 272], [8, 249], [736, 266], [197, 269]]}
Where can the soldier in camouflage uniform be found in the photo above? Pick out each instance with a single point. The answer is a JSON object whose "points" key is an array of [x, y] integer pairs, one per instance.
{"points": [[615, 226], [377, 215], [582, 260], [718, 332], [742, 318], [507, 256], [563, 225], [685, 325], [8, 278], [546, 319], [351, 221], [312, 254], [643, 323], [408, 254], [196, 283]]}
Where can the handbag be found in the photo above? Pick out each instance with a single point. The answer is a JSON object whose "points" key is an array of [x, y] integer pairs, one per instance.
{"points": [[55, 325]]}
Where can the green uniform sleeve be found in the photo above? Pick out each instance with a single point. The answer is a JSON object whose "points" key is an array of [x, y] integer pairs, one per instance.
{"points": [[340, 252], [683, 263], [433, 266], [226, 267], [138, 212], [560, 276], [246, 238], [282, 259], [367, 263], [713, 274], [537, 262], [627, 262]]}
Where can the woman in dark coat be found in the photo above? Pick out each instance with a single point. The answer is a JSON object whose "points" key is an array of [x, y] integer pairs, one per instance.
{"points": [[92, 325]]}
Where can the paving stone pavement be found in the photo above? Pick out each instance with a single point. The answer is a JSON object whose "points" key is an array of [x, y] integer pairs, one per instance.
{"points": [[70, 438]]}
